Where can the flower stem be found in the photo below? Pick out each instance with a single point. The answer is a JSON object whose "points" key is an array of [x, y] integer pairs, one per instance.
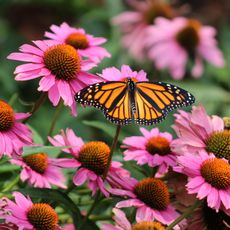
{"points": [[97, 196], [13, 99], [11, 184], [100, 218], [54, 121], [70, 188], [36, 105], [96, 199], [112, 150], [184, 215]]}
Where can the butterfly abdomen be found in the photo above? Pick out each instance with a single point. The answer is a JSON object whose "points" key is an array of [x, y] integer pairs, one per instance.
{"points": [[132, 88]]}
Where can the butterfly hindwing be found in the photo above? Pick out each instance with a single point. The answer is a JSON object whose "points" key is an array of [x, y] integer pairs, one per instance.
{"points": [[110, 97], [155, 99]]}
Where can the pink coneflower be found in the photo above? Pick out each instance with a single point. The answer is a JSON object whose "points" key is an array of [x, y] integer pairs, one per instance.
{"points": [[198, 131], [122, 223], [173, 42], [153, 148], [13, 134], [86, 44], [134, 24], [60, 66], [91, 157], [42, 171], [150, 196], [208, 177], [26, 215], [114, 74]]}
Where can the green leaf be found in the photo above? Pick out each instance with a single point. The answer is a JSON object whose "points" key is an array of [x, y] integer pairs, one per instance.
{"points": [[13, 99], [59, 197], [8, 168], [36, 136]]}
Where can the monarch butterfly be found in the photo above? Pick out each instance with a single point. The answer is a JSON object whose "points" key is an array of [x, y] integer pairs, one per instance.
{"points": [[144, 102]]}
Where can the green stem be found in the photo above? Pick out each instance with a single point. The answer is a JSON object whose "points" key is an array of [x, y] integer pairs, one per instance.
{"points": [[97, 196], [70, 188], [13, 99], [99, 218], [112, 150], [54, 121], [11, 184], [96, 199], [184, 215], [36, 106]]}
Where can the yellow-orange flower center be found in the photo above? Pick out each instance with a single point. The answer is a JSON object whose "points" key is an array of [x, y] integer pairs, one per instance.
{"points": [[216, 172], [218, 143], [42, 217], [94, 156], [153, 192], [157, 10], [37, 161], [63, 61], [159, 145], [77, 40], [6, 116], [188, 37], [147, 225]]}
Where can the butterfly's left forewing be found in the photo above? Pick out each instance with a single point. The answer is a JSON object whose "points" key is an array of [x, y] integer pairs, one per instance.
{"points": [[155, 99], [111, 97]]}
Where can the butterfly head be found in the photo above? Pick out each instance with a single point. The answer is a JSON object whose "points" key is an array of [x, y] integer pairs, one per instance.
{"points": [[130, 79]]}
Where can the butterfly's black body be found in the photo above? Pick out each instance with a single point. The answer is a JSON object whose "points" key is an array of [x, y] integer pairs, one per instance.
{"points": [[144, 102], [132, 88]]}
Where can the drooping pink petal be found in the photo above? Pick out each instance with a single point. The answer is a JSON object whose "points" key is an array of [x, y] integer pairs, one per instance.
{"points": [[129, 203], [46, 83], [80, 176], [121, 219], [54, 95]]}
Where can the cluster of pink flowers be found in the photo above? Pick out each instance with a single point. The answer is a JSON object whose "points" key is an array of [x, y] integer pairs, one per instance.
{"points": [[203, 153], [154, 31], [62, 62], [200, 152], [190, 154]]}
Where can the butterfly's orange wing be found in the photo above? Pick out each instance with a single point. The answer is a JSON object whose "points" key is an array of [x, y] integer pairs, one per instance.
{"points": [[155, 99], [110, 97]]}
